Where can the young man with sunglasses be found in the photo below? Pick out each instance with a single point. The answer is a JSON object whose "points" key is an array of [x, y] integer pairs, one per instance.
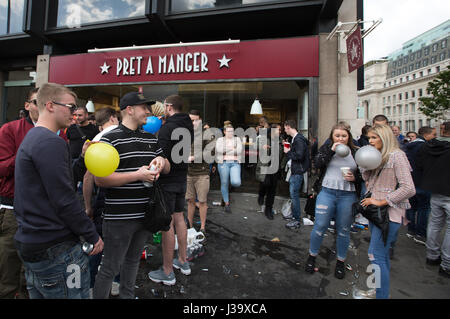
{"points": [[50, 218]]}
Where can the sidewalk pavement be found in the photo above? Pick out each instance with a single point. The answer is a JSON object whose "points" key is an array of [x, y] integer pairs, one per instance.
{"points": [[250, 257]]}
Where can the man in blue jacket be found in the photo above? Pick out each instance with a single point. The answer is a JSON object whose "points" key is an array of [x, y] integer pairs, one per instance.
{"points": [[298, 155]]}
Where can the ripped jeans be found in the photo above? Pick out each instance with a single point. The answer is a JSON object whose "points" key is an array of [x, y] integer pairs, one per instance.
{"points": [[338, 204]]}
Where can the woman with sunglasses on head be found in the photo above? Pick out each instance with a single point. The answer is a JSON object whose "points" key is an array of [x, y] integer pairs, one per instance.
{"points": [[228, 152], [390, 184], [338, 187]]}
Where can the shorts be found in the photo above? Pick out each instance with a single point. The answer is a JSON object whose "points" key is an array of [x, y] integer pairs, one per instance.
{"points": [[174, 196], [198, 188]]}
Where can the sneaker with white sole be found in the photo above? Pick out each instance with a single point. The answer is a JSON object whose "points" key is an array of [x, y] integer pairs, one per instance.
{"points": [[364, 294], [184, 268], [115, 288], [160, 276]]}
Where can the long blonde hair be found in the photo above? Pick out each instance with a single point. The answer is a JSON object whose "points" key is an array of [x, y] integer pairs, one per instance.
{"points": [[390, 142]]}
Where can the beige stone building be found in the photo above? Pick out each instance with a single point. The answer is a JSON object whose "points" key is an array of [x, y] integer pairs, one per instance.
{"points": [[394, 85]]}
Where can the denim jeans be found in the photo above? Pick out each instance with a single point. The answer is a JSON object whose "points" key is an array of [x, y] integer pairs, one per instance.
{"points": [[337, 204], [379, 255], [419, 212], [295, 184], [229, 171], [63, 276], [124, 241], [440, 216]]}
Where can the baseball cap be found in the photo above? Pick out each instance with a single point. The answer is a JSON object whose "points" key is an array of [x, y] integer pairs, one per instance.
{"points": [[134, 98]]}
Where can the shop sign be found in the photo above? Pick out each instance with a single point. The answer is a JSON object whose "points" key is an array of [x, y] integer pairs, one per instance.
{"points": [[280, 58]]}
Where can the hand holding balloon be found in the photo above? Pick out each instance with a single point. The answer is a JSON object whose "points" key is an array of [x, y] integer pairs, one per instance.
{"points": [[342, 150]]}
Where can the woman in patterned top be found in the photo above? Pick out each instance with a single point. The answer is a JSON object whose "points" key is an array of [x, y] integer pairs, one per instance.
{"points": [[392, 186]]}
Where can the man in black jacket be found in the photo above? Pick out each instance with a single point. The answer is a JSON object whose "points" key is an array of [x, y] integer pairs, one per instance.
{"points": [[174, 185], [298, 155], [420, 203], [432, 161], [49, 216]]}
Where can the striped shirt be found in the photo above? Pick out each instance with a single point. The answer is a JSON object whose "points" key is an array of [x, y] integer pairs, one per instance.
{"points": [[136, 149]]}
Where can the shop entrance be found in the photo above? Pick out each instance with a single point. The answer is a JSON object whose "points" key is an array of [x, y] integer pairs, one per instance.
{"points": [[220, 102]]}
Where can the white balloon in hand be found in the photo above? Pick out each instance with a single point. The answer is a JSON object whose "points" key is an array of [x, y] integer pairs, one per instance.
{"points": [[368, 157], [342, 150]]}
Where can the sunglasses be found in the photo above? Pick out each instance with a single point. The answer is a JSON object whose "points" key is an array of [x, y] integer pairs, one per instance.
{"points": [[33, 101], [72, 107]]}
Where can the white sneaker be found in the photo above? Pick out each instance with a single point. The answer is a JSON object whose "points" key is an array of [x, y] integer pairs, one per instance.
{"points": [[115, 288], [360, 219], [262, 209]]}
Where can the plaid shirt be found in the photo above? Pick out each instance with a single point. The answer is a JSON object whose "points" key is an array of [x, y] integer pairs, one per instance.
{"points": [[394, 184]]}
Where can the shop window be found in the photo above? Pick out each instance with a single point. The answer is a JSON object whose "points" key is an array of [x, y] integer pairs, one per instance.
{"points": [[11, 16], [72, 14]]}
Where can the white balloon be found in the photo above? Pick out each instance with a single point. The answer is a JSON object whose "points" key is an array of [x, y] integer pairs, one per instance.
{"points": [[368, 157], [342, 150]]}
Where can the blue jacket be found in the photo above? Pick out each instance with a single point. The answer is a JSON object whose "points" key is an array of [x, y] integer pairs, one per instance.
{"points": [[299, 155]]}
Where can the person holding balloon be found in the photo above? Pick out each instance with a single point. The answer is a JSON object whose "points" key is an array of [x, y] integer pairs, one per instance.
{"points": [[338, 188], [388, 177], [121, 165]]}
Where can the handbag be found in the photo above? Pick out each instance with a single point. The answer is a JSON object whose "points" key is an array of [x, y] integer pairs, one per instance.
{"points": [[378, 215], [157, 217]]}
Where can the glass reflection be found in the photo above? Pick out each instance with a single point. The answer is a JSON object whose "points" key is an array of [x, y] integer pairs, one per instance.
{"points": [[192, 5], [75, 13], [16, 16], [16, 20]]}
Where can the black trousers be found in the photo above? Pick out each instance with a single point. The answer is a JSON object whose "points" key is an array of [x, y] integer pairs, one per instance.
{"points": [[268, 190]]}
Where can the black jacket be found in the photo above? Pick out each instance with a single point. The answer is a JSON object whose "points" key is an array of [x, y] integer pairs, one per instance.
{"points": [[432, 163], [411, 150], [321, 160], [178, 172], [299, 155]]}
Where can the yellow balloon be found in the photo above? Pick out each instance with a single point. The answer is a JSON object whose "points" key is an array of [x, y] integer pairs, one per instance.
{"points": [[101, 159]]}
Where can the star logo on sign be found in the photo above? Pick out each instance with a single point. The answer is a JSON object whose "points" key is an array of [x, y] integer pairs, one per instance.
{"points": [[105, 68], [224, 62]]}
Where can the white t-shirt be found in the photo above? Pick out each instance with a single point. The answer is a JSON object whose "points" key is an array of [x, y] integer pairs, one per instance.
{"points": [[106, 130]]}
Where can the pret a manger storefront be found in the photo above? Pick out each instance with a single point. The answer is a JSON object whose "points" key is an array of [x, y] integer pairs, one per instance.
{"points": [[220, 79]]}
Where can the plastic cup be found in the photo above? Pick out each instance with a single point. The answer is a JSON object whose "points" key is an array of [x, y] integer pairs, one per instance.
{"points": [[345, 170], [287, 145]]}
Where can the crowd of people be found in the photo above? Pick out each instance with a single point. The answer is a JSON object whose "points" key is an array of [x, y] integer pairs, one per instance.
{"points": [[52, 206]]}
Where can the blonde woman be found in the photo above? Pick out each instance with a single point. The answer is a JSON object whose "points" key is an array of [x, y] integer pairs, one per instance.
{"points": [[228, 152], [391, 184]]}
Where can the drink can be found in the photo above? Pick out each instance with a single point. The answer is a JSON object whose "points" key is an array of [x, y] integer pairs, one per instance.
{"points": [[87, 248], [157, 238], [150, 184]]}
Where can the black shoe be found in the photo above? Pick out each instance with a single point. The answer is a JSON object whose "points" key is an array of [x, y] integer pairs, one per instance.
{"points": [[310, 264], [269, 213], [339, 271], [434, 262], [227, 209], [444, 272]]}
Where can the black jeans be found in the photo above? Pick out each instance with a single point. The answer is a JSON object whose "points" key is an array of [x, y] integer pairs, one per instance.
{"points": [[268, 190]]}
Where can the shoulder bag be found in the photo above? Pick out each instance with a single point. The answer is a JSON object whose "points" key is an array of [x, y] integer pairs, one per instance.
{"points": [[157, 217], [378, 215]]}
